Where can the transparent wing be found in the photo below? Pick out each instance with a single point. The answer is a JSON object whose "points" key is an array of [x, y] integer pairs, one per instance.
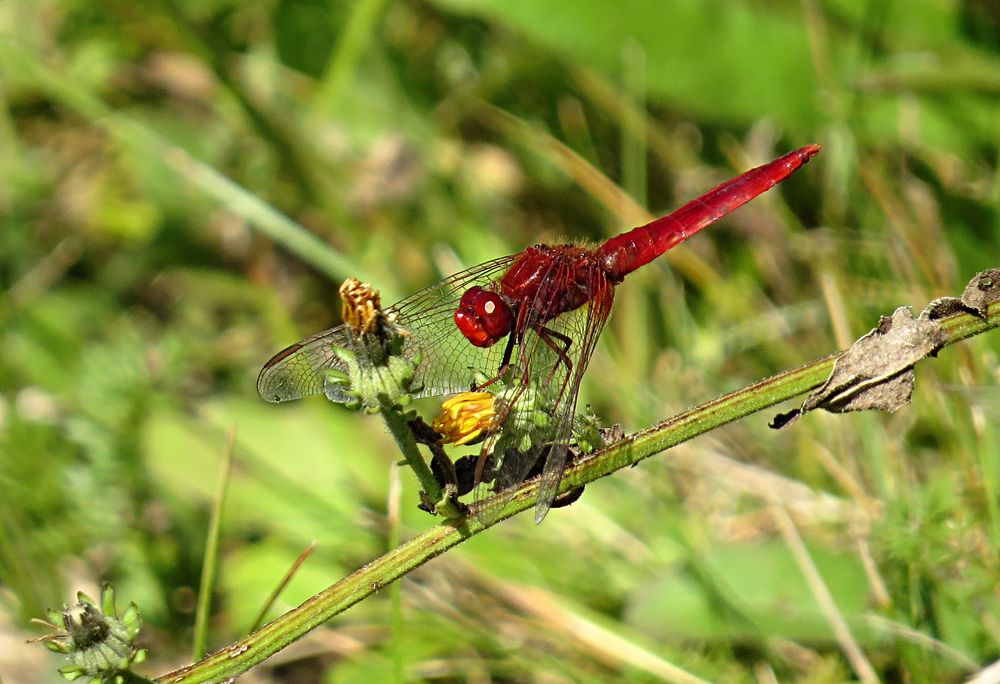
{"points": [[536, 410], [448, 363], [300, 369], [598, 310]]}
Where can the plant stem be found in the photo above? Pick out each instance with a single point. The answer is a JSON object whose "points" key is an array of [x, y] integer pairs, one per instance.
{"points": [[211, 562], [401, 432]]}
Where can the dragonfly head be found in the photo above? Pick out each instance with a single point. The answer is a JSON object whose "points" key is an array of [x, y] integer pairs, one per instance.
{"points": [[483, 317]]}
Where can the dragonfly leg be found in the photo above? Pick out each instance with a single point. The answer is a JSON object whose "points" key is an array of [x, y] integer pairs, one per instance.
{"points": [[504, 365], [553, 339]]}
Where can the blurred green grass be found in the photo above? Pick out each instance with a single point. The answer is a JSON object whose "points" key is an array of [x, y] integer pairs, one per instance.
{"points": [[183, 183]]}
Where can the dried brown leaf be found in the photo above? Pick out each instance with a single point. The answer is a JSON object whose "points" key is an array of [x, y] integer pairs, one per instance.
{"points": [[876, 372]]}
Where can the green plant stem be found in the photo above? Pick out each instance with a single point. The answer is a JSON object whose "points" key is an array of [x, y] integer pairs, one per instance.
{"points": [[211, 562], [242, 655], [408, 446], [280, 587]]}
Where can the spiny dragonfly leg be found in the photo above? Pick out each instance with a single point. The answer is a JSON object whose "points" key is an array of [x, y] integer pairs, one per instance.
{"points": [[552, 338], [504, 365]]}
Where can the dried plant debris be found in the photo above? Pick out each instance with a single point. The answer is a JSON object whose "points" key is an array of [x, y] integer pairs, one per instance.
{"points": [[982, 290], [876, 372]]}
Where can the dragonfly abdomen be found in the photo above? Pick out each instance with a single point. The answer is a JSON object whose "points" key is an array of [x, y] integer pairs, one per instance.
{"points": [[624, 253]]}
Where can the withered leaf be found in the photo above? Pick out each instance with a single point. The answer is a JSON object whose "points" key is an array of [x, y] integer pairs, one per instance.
{"points": [[982, 290], [876, 372]]}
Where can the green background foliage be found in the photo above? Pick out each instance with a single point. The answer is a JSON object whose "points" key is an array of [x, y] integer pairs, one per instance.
{"points": [[183, 184]]}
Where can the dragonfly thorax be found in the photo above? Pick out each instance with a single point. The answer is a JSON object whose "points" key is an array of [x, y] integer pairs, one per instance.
{"points": [[551, 280]]}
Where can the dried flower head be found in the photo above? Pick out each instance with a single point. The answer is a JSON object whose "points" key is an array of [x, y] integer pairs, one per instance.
{"points": [[362, 305]]}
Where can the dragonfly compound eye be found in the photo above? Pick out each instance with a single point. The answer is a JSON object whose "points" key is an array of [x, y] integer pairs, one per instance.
{"points": [[483, 317]]}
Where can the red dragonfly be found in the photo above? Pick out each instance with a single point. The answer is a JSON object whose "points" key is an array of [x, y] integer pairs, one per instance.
{"points": [[547, 304]]}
